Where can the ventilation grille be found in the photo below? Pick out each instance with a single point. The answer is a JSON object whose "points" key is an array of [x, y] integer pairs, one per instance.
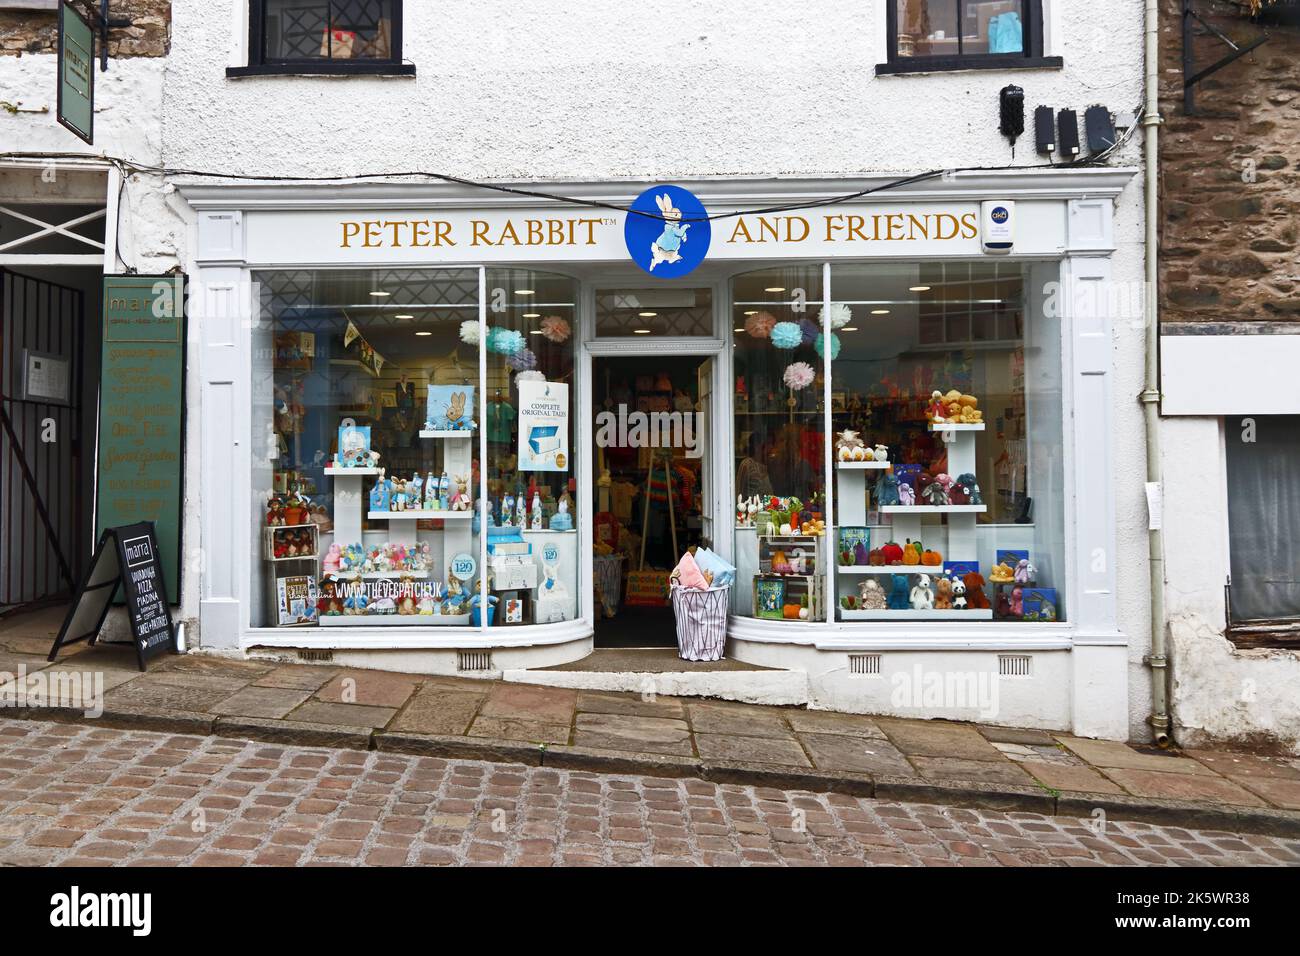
{"points": [[316, 655], [473, 661], [864, 665], [1015, 665]]}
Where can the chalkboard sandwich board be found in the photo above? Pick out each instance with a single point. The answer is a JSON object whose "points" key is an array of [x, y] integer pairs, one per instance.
{"points": [[127, 557]]}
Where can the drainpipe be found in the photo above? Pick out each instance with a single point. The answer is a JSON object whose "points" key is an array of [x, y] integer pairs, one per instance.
{"points": [[1158, 659]]}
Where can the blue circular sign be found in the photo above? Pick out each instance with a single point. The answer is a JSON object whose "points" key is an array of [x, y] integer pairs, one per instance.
{"points": [[463, 566], [1000, 214], [667, 232]]}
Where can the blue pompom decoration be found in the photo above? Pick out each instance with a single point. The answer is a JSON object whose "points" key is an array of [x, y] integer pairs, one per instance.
{"points": [[786, 335], [809, 330], [505, 341], [522, 361], [835, 346]]}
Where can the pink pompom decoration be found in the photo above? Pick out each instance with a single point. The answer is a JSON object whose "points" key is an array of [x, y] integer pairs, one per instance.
{"points": [[798, 375], [759, 325], [555, 329]]}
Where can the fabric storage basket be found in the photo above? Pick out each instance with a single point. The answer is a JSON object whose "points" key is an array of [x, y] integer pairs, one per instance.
{"points": [[701, 622]]}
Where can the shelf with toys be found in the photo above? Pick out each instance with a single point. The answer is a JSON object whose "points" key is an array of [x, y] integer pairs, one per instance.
{"points": [[923, 583]]}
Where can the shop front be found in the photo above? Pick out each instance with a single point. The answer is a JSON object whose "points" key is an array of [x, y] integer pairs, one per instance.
{"points": [[450, 430]]}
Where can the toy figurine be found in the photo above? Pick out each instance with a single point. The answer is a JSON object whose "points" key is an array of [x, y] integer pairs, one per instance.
{"points": [[398, 502], [1017, 601], [898, 593], [935, 494], [881, 453], [275, 512], [922, 597], [906, 496], [958, 594], [1004, 605], [850, 447], [461, 500], [887, 490], [380, 499], [942, 594], [1025, 572], [971, 487], [872, 595], [562, 520], [975, 596]]}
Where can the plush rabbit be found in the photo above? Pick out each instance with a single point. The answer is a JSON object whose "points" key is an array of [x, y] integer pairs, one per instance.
{"points": [[664, 249], [906, 496]]}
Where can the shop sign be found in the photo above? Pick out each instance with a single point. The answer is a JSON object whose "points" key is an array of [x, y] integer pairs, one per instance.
{"points": [[667, 231], [128, 558], [76, 106], [142, 411], [543, 426]]}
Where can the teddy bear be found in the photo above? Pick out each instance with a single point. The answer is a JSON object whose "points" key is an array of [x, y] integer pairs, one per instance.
{"points": [[898, 593], [974, 587], [958, 594], [942, 594]]}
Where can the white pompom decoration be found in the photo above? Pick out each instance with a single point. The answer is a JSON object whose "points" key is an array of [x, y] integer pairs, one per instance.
{"points": [[841, 315], [469, 331]]}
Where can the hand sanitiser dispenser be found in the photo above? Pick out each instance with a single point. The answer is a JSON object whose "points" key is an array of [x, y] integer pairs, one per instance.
{"points": [[998, 226]]}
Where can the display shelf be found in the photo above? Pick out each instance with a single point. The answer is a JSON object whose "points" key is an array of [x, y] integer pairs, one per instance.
{"points": [[933, 509], [957, 427], [352, 472], [395, 620], [296, 557], [882, 569], [413, 515], [970, 614], [446, 433], [379, 576], [864, 465]]}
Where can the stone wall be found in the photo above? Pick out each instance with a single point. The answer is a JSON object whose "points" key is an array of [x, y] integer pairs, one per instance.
{"points": [[36, 31], [1230, 176]]}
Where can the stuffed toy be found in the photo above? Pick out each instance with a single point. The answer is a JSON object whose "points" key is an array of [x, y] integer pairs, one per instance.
{"points": [[942, 594], [906, 496], [922, 597], [898, 593], [887, 490], [975, 596], [872, 595], [958, 594], [970, 487]]}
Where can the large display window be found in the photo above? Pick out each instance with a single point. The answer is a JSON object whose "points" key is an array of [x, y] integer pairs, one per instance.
{"points": [[380, 396], [947, 494]]}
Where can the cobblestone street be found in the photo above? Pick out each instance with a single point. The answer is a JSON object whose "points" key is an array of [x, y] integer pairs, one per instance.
{"points": [[85, 795]]}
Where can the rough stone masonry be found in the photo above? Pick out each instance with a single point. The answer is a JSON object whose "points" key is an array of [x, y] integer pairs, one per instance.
{"points": [[36, 31], [1230, 190]]}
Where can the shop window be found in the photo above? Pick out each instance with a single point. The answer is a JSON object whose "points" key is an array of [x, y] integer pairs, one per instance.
{"points": [[948, 506], [780, 446], [325, 36], [662, 311], [932, 35], [951, 511], [369, 408], [1263, 518]]}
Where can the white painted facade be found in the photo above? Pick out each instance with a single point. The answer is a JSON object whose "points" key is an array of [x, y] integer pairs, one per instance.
{"points": [[743, 104]]}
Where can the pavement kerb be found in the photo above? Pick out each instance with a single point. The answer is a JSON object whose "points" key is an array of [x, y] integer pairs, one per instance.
{"points": [[970, 794]]}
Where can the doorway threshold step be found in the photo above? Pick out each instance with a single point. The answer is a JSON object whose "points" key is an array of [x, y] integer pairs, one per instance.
{"points": [[638, 670]]}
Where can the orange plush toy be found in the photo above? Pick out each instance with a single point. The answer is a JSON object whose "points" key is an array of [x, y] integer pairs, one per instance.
{"points": [[975, 596]]}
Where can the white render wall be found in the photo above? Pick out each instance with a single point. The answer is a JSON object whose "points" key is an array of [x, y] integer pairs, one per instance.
{"points": [[533, 93]]}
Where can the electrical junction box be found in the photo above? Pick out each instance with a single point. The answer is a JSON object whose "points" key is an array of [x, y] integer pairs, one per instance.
{"points": [[998, 226]]}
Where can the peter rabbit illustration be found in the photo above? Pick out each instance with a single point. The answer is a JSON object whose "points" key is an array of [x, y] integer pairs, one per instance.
{"points": [[664, 249], [456, 409]]}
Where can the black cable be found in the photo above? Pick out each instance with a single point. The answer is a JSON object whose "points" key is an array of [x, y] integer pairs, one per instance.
{"points": [[124, 164]]}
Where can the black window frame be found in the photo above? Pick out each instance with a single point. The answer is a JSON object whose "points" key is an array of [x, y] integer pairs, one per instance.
{"points": [[259, 65], [1031, 58]]}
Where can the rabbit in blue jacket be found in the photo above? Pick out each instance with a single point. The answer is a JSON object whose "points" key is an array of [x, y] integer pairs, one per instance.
{"points": [[664, 249]]}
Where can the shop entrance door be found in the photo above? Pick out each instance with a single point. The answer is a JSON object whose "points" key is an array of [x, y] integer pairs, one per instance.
{"points": [[653, 478]]}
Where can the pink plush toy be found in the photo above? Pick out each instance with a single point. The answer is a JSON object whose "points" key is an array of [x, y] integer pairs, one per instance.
{"points": [[1017, 602], [906, 496], [333, 559]]}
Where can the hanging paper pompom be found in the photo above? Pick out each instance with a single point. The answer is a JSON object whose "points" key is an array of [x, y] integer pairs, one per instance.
{"points": [[835, 346], [469, 332], [555, 329], [759, 325], [505, 341], [786, 335], [841, 315], [809, 330], [798, 375], [522, 361], [529, 376]]}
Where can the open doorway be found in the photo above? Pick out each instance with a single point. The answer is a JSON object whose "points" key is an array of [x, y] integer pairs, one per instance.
{"points": [[650, 427]]}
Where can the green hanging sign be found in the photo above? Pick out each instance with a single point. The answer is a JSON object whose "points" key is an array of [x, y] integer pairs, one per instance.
{"points": [[76, 109], [142, 412]]}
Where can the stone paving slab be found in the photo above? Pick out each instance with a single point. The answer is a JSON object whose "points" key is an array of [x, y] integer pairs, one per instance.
{"points": [[451, 717]]}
